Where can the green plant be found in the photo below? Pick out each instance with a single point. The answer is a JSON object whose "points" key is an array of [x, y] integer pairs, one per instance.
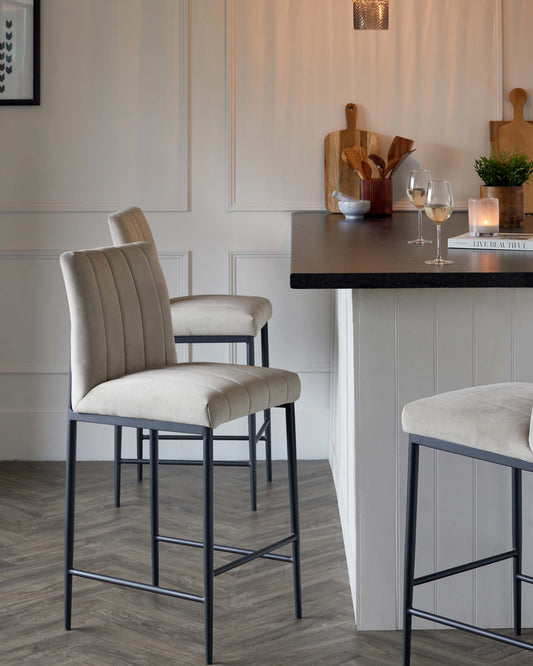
{"points": [[504, 169]]}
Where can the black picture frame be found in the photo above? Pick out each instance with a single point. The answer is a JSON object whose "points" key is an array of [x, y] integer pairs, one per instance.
{"points": [[20, 87]]}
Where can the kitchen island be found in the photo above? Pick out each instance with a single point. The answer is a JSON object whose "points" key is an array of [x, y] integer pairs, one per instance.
{"points": [[404, 330]]}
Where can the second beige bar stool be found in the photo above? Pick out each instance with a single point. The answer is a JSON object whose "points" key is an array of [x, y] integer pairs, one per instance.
{"points": [[200, 319]]}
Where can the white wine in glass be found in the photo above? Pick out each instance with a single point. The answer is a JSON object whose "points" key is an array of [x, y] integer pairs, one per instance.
{"points": [[417, 184], [438, 206]]}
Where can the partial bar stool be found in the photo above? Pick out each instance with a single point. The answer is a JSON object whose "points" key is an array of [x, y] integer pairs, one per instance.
{"points": [[491, 423], [205, 319], [124, 373]]}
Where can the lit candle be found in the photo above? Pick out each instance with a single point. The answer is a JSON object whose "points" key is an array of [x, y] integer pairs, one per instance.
{"points": [[483, 217]]}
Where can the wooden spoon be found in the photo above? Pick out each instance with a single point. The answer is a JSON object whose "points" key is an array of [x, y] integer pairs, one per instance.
{"points": [[399, 147], [393, 165], [380, 163], [365, 167], [354, 158]]}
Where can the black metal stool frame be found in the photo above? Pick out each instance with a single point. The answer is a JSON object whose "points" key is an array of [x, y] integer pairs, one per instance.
{"points": [[253, 437], [206, 434], [410, 582]]}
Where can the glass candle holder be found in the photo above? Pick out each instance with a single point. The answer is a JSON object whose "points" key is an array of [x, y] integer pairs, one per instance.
{"points": [[483, 217]]}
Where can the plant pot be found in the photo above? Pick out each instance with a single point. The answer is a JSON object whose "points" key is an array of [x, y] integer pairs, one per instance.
{"points": [[511, 200]]}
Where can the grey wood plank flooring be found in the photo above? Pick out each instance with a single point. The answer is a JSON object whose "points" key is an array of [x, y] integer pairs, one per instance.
{"points": [[254, 622]]}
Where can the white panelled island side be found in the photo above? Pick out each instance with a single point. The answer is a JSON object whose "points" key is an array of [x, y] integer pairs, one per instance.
{"points": [[405, 330]]}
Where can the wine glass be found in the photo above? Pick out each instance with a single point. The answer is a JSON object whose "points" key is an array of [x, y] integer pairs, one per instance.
{"points": [[417, 184], [438, 206]]}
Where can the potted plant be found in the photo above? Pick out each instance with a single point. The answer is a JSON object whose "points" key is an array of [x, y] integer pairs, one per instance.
{"points": [[503, 175]]}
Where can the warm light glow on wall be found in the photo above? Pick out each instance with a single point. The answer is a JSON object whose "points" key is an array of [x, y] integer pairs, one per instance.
{"points": [[371, 14]]}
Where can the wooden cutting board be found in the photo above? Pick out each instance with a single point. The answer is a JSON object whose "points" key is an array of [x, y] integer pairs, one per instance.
{"points": [[337, 174], [515, 135]]}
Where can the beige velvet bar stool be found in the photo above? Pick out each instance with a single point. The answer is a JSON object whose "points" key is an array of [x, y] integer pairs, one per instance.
{"points": [[209, 318], [491, 423], [124, 373]]}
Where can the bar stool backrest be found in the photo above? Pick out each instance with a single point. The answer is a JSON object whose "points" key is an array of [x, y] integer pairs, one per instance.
{"points": [[130, 226], [120, 314]]}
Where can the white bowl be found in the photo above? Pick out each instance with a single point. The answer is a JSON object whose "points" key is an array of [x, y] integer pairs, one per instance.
{"points": [[354, 209]]}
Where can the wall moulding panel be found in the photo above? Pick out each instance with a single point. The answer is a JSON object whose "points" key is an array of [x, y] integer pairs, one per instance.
{"points": [[112, 127], [292, 65], [34, 339], [297, 315]]}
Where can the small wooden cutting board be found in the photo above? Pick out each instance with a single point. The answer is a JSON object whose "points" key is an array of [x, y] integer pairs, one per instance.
{"points": [[337, 174], [515, 135]]}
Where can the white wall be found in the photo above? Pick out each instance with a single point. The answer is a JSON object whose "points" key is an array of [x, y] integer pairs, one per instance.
{"points": [[134, 113]]}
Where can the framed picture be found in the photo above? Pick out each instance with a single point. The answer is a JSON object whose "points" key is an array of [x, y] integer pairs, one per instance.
{"points": [[19, 52]]}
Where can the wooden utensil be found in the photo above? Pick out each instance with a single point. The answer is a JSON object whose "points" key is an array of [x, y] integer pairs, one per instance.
{"points": [[393, 167], [366, 167], [337, 174], [515, 135], [380, 163], [399, 147], [354, 157]]}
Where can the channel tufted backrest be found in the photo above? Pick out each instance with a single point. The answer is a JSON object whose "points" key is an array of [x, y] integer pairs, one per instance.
{"points": [[119, 313], [129, 226]]}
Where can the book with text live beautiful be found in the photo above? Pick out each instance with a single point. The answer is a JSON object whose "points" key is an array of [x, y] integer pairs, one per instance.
{"points": [[501, 242]]}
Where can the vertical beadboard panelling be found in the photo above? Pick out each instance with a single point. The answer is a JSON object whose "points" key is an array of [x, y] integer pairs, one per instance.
{"points": [[415, 352], [341, 449], [454, 491], [410, 344], [375, 458], [493, 322], [523, 372]]}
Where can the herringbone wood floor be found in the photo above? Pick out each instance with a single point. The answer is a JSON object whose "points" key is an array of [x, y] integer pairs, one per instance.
{"points": [[253, 605]]}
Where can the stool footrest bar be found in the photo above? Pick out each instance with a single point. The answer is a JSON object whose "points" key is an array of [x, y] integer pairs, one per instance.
{"points": [[524, 578], [254, 555], [124, 582], [219, 463], [225, 549], [465, 567], [469, 628], [226, 438]]}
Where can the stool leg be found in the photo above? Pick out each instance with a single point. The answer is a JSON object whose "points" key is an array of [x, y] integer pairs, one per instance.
{"points": [[253, 461], [293, 498], [139, 453], [69, 519], [410, 547], [208, 545], [154, 503], [118, 463], [252, 430], [265, 361], [517, 545]]}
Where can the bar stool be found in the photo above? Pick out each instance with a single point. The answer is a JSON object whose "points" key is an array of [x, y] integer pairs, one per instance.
{"points": [[490, 423], [206, 319], [124, 373]]}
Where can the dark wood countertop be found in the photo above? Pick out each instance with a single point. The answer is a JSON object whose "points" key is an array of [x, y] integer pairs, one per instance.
{"points": [[329, 252]]}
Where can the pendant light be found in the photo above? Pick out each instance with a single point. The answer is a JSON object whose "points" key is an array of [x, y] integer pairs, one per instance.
{"points": [[371, 14]]}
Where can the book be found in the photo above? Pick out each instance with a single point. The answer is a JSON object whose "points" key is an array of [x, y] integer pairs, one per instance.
{"points": [[514, 242]]}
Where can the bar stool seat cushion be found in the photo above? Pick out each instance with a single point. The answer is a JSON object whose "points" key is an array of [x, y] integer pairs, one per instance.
{"points": [[494, 417], [201, 394], [219, 314]]}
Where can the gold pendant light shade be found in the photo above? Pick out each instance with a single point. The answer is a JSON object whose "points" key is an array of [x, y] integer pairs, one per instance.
{"points": [[371, 14]]}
